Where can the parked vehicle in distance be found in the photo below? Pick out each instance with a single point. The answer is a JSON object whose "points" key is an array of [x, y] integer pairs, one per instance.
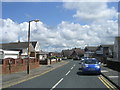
{"points": [[82, 59], [90, 66], [76, 58], [64, 58]]}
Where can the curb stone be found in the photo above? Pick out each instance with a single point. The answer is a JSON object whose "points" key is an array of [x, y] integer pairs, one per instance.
{"points": [[118, 87]]}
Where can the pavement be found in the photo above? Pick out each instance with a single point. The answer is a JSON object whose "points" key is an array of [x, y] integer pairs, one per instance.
{"points": [[14, 78], [112, 75]]}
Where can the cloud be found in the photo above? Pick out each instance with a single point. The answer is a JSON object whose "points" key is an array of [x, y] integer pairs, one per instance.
{"points": [[65, 35], [102, 28], [90, 12]]}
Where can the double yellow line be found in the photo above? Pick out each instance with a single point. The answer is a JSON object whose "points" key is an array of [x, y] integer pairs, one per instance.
{"points": [[106, 83]]}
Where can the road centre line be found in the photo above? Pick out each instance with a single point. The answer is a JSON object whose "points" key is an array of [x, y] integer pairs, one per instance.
{"points": [[56, 84], [74, 65], [20, 81], [71, 68], [67, 73]]}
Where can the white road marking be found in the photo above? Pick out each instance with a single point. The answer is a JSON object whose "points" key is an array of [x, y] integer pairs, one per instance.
{"points": [[67, 73], [113, 76], [74, 65], [56, 84], [104, 71], [71, 68]]}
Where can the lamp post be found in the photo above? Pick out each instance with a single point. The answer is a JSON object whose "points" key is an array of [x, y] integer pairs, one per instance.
{"points": [[28, 67]]}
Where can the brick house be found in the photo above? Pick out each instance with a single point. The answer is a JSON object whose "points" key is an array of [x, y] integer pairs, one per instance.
{"points": [[8, 54], [22, 47], [74, 53], [77, 53], [90, 51], [18, 53], [103, 52], [66, 54]]}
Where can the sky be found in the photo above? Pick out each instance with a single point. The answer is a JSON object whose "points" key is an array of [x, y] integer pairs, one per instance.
{"points": [[63, 25]]}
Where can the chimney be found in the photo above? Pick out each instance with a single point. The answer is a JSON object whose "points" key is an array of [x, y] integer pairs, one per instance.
{"points": [[18, 41]]}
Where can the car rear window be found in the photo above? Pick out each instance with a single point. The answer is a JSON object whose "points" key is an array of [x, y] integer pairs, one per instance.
{"points": [[91, 62]]}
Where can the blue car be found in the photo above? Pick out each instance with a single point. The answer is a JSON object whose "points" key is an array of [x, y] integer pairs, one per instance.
{"points": [[91, 66]]}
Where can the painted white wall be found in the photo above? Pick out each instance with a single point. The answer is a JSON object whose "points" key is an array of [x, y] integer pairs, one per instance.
{"points": [[25, 51], [53, 60], [9, 54], [43, 57]]}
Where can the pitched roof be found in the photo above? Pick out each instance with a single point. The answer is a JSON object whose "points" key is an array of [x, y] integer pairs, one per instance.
{"points": [[34, 43], [16, 46], [67, 52], [91, 48], [108, 46], [78, 51], [55, 53], [43, 53]]}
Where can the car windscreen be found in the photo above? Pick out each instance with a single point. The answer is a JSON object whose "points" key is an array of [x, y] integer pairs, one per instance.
{"points": [[91, 62]]}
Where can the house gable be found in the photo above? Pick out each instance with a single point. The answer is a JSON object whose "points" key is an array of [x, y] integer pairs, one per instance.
{"points": [[37, 47]]}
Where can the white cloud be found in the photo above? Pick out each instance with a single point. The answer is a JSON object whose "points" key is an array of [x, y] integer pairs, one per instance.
{"points": [[66, 35], [91, 11], [101, 30]]}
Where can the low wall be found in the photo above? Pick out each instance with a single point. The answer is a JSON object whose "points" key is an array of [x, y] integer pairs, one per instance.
{"points": [[45, 62], [49, 61], [113, 65], [10, 65]]}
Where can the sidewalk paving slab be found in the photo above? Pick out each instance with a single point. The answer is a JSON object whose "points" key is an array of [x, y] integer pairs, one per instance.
{"points": [[111, 75]]}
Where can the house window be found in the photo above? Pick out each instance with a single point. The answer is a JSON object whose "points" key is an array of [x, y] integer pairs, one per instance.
{"points": [[32, 54], [107, 54]]}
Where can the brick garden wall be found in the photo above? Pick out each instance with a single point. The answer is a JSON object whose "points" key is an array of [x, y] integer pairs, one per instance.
{"points": [[10, 65], [49, 61]]}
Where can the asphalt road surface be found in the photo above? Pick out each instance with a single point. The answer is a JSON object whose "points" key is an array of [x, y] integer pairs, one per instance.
{"points": [[67, 76]]}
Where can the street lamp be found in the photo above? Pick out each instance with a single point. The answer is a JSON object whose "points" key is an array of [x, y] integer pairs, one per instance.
{"points": [[29, 45]]}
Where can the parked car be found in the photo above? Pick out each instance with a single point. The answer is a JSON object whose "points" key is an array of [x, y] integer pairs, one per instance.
{"points": [[91, 65], [64, 58], [83, 58]]}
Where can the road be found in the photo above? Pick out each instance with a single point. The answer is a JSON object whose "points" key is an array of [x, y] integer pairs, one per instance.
{"points": [[67, 76]]}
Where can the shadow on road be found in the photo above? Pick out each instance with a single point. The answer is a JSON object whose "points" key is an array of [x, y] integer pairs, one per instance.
{"points": [[80, 69], [83, 74]]}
